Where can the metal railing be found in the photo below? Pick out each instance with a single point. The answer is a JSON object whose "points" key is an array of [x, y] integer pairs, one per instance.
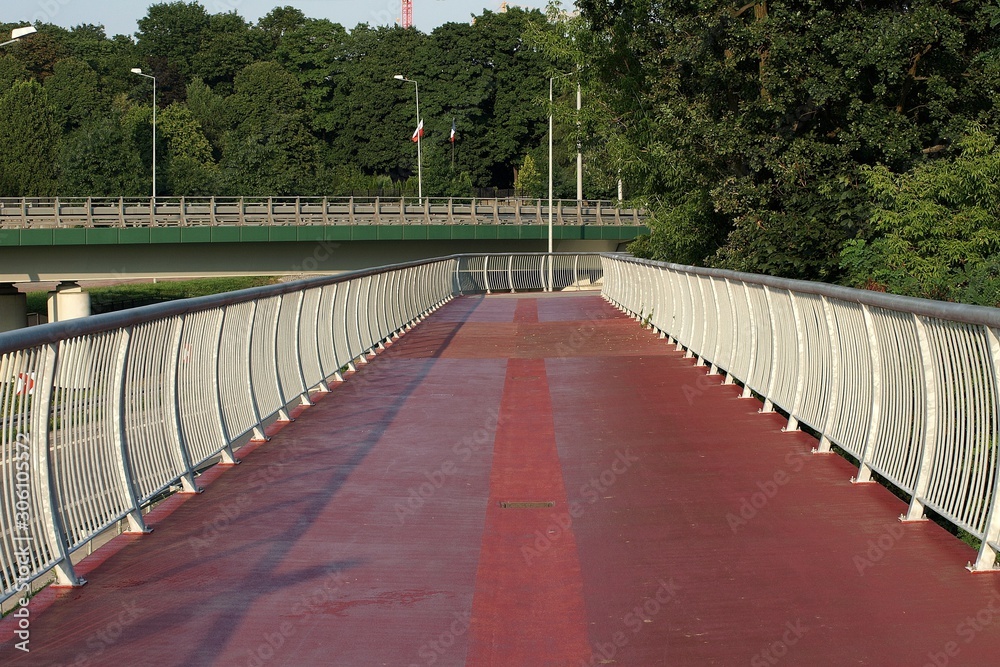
{"points": [[101, 416], [908, 387], [21, 213], [487, 273]]}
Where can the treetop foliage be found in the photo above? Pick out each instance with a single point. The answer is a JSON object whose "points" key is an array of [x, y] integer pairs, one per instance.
{"points": [[288, 106], [757, 128], [840, 140]]}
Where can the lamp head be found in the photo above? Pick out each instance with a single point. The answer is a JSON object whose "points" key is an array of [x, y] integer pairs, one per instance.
{"points": [[399, 77], [136, 70], [18, 33]]}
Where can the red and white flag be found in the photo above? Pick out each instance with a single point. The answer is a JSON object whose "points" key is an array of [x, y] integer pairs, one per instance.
{"points": [[418, 133], [454, 132], [25, 384]]}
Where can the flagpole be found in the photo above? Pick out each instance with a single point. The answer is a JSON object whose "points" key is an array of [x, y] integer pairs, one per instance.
{"points": [[420, 168]]}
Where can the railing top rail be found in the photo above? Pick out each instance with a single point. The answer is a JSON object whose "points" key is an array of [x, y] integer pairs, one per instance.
{"points": [[944, 310], [53, 332], [503, 201]]}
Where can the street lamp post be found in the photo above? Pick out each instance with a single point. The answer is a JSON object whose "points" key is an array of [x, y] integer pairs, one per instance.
{"points": [[420, 172], [551, 123], [18, 33], [136, 70], [579, 146]]}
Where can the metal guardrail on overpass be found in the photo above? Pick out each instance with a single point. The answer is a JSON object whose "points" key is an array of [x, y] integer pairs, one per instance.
{"points": [[284, 211], [908, 387], [100, 416]]}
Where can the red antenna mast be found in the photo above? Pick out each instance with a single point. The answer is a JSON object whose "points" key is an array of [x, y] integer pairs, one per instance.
{"points": [[407, 21]]}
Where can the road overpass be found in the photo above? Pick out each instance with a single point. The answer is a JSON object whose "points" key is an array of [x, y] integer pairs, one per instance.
{"points": [[98, 239], [77, 239], [701, 467]]}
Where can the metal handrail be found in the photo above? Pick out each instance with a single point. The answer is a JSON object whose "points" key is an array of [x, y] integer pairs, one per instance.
{"points": [[100, 416], [124, 212], [908, 387]]}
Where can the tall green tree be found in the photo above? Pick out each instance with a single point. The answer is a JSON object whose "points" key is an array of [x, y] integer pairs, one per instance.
{"points": [[270, 150], [174, 32], [190, 165], [100, 159], [228, 45], [315, 52], [74, 93], [30, 134], [375, 118], [759, 118], [11, 71], [936, 227]]}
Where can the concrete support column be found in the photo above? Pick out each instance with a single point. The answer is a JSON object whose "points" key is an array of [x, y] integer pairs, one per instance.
{"points": [[13, 308], [68, 302]]}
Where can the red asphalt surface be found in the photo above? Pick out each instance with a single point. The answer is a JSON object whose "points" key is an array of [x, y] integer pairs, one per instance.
{"points": [[677, 526]]}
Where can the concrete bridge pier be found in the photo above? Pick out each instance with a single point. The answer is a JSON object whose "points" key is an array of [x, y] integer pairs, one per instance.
{"points": [[68, 302], [13, 308]]}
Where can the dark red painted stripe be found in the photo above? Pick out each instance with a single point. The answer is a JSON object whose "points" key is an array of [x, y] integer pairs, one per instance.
{"points": [[526, 311], [528, 606]]}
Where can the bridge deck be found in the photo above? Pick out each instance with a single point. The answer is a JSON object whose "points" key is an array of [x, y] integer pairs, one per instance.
{"points": [[686, 528]]}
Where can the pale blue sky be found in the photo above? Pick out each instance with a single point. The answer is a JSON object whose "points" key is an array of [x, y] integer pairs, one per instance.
{"points": [[120, 16]]}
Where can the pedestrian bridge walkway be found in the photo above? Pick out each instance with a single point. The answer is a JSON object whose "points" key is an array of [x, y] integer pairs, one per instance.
{"points": [[526, 479]]}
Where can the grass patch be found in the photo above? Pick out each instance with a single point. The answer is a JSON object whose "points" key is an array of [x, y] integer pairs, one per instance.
{"points": [[119, 297]]}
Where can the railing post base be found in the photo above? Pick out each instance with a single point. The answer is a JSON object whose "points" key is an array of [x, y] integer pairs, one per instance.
{"points": [[259, 435], [914, 513], [188, 484], [136, 524], [228, 458], [986, 561], [66, 576], [768, 406], [792, 425], [864, 476]]}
